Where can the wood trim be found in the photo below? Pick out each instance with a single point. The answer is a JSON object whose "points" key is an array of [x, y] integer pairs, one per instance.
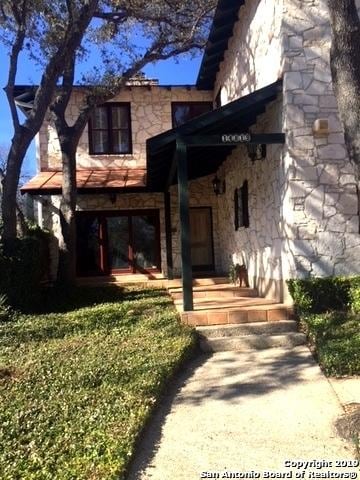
{"points": [[108, 107], [211, 267], [104, 246]]}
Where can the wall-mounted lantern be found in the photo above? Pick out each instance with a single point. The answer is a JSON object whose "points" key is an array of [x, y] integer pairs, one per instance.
{"points": [[218, 186], [256, 152]]}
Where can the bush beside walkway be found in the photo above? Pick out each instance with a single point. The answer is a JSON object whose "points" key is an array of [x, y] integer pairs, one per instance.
{"points": [[77, 387], [329, 311]]}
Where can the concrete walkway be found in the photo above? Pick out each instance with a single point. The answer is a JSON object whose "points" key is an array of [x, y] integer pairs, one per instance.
{"points": [[244, 412]]}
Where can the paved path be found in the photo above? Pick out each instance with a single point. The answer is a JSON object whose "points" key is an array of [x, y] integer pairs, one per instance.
{"points": [[243, 412]]}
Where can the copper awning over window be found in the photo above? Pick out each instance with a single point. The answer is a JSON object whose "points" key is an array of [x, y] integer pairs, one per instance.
{"points": [[88, 181]]}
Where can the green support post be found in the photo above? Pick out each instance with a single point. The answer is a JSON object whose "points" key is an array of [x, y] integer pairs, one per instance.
{"points": [[181, 159], [168, 234]]}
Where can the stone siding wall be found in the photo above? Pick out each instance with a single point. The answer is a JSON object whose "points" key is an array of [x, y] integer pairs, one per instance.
{"points": [[260, 246], [150, 115], [253, 57], [321, 211], [304, 212]]}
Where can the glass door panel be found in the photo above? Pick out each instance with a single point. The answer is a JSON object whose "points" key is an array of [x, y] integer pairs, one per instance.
{"points": [[145, 242], [88, 246], [118, 243]]}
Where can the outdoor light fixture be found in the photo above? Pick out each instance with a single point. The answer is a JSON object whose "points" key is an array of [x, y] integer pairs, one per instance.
{"points": [[218, 186], [256, 152]]}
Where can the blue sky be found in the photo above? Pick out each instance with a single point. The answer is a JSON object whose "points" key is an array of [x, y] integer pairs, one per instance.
{"points": [[168, 72]]}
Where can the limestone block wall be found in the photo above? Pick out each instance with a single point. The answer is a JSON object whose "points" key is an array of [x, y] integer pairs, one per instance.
{"points": [[319, 196], [150, 115], [253, 57], [260, 246]]}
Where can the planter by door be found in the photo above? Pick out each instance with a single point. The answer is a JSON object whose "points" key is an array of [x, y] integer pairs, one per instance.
{"points": [[118, 242], [202, 249]]}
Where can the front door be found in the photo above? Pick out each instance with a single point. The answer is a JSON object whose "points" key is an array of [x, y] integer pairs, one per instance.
{"points": [[118, 242], [202, 251]]}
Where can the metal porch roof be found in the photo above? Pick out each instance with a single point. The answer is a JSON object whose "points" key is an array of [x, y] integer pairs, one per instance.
{"points": [[237, 116], [89, 181]]}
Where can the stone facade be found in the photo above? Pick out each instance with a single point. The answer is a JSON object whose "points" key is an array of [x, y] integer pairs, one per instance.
{"points": [[303, 202], [304, 212], [253, 57], [150, 115], [321, 210]]}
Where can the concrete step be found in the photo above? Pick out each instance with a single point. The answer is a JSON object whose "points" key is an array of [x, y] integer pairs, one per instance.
{"points": [[236, 313], [225, 290], [252, 342], [177, 282], [236, 330], [156, 280]]}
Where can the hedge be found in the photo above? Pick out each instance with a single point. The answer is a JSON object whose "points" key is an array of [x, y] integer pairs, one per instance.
{"points": [[329, 314], [23, 269], [319, 295]]}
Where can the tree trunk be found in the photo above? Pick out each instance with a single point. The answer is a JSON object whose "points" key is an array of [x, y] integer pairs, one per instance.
{"points": [[67, 243], [345, 69], [20, 143]]}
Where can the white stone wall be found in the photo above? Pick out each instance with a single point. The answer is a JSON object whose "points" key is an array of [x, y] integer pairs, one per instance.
{"points": [[150, 115], [260, 246], [321, 211], [253, 57], [304, 212]]}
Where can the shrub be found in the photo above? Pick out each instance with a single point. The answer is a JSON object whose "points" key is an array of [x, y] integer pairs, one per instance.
{"points": [[354, 295], [318, 295], [22, 270], [5, 310], [329, 312]]}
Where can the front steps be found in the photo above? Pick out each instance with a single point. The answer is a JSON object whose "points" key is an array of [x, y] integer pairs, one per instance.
{"points": [[217, 302], [232, 318], [251, 336]]}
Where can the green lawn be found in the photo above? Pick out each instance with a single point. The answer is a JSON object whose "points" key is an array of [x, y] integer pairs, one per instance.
{"points": [[336, 338], [78, 384]]}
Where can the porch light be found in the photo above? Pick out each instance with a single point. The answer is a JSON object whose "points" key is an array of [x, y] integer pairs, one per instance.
{"points": [[218, 186], [256, 152]]}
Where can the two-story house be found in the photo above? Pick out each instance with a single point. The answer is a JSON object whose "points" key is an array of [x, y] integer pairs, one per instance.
{"points": [[247, 166]]}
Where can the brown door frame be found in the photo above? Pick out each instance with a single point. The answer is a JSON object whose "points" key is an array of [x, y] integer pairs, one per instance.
{"points": [[104, 244], [206, 268]]}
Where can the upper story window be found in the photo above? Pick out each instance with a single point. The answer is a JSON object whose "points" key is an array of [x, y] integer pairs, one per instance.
{"points": [[185, 111], [110, 129]]}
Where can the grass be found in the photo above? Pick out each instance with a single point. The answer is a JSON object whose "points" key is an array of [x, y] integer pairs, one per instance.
{"points": [[336, 338], [78, 384]]}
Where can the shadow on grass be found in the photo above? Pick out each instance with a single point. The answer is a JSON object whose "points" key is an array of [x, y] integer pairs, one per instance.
{"points": [[84, 310], [62, 300]]}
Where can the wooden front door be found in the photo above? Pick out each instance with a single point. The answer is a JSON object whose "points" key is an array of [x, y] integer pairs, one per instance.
{"points": [[118, 242], [202, 250]]}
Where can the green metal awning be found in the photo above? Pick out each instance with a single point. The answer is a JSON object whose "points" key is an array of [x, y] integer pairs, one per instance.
{"points": [[237, 116]]}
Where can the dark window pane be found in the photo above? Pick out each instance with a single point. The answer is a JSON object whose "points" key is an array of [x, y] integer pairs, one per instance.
{"points": [[110, 130], [121, 141], [145, 246], [88, 245], [120, 116], [100, 141], [118, 235], [183, 112], [99, 118]]}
